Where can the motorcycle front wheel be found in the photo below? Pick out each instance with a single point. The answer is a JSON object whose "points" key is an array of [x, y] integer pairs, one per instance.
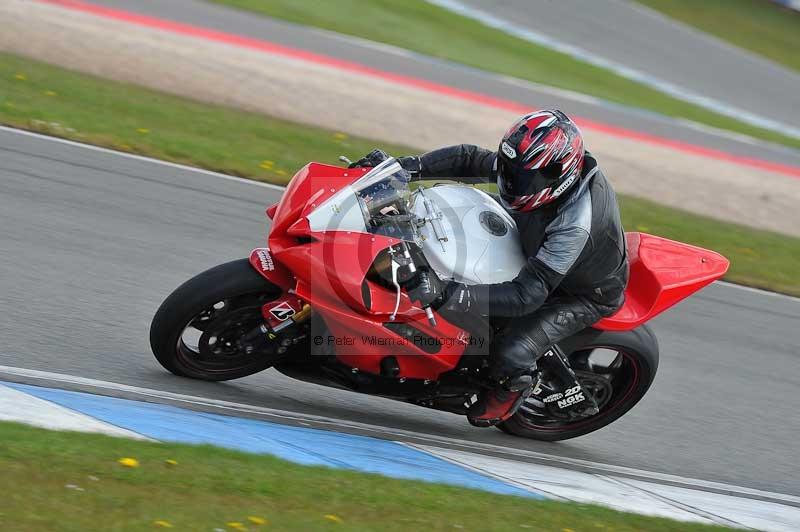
{"points": [[195, 331], [616, 368]]}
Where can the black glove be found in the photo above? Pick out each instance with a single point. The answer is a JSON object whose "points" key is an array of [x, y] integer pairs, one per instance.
{"points": [[430, 291], [412, 165], [372, 159], [426, 288]]}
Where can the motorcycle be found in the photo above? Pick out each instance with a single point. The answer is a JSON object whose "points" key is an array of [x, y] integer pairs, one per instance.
{"points": [[324, 301]]}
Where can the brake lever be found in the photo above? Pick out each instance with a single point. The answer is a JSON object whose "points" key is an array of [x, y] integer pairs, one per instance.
{"points": [[395, 269], [408, 260]]}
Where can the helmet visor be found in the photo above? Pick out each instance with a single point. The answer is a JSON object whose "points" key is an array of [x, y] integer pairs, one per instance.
{"points": [[515, 183]]}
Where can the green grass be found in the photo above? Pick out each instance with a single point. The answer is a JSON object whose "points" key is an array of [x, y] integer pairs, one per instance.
{"points": [[210, 488], [55, 101], [756, 25], [71, 105], [422, 27]]}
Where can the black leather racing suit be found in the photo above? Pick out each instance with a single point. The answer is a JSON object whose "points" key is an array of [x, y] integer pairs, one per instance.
{"points": [[576, 270]]}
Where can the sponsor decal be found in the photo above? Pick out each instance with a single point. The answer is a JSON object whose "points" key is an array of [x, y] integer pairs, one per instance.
{"points": [[571, 400], [508, 150], [565, 185], [265, 260], [463, 337], [553, 397], [282, 311]]}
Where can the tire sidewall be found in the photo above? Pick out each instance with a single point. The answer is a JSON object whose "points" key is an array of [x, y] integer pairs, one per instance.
{"points": [[640, 344], [221, 282]]}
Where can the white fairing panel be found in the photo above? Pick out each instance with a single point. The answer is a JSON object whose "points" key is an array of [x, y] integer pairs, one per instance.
{"points": [[483, 245]]}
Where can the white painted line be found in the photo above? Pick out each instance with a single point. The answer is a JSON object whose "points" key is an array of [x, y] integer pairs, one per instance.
{"points": [[139, 158], [474, 466], [633, 74], [758, 291], [759, 515], [23, 408], [567, 485], [427, 439], [547, 89], [271, 186], [712, 39], [637, 496]]}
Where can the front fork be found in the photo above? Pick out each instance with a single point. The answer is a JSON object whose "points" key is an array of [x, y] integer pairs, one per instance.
{"points": [[279, 316], [558, 388]]}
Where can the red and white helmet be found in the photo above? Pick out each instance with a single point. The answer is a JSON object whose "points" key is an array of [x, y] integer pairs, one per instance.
{"points": [[540, 158]]}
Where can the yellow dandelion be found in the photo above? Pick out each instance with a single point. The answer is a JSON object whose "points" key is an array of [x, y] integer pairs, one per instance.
{"points": [[236, 525], [339, 136], [50, 93], [266, 164], [143, 131], [257, 520], [334, 518], [280, 172], [128, 462], [163, 524], [170, 462], [21, 77]]}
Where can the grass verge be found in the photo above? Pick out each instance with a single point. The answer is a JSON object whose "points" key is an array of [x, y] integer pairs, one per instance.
{"points": [[760, 26], [73, 481], [55, 101], [422, 27]]}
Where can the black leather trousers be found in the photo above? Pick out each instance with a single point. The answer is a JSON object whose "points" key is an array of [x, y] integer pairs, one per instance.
{"points": [[515, 349]]}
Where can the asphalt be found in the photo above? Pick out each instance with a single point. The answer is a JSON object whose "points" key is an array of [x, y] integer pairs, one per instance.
{"points": [[93, 241], [209, 15], [630, 34]]}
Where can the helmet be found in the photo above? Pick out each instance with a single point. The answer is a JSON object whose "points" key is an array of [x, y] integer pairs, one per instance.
{"points": [[540, 158]]}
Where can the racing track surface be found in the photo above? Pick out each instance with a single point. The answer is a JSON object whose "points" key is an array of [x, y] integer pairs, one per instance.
{"points": [[630, 34], [92, 241], [385, 58]]}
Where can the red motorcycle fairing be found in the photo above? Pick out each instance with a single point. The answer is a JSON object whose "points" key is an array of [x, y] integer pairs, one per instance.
{"points": [[329, 271], [663, 272], [261, 259], [357, 322]]}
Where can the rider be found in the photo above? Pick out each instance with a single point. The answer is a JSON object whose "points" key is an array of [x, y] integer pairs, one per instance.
{"points": [[576, 271]]}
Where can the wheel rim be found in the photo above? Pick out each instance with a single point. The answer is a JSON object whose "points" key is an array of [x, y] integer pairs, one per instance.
{"points": [[609, 374], [208, 342]]}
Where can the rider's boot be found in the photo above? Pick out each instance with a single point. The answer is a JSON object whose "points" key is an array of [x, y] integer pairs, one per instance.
{"points": [[557, 387], [501, 402]]}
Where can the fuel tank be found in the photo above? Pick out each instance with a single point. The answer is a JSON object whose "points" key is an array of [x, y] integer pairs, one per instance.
{"points": [[475, 241]]}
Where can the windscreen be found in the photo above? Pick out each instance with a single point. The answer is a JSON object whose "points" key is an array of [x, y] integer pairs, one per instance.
{"points": [[383, 195]]}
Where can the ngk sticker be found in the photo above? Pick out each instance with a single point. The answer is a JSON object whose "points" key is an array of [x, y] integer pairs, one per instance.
{"points": [[571, 400], [508, 150], [282, 311]]}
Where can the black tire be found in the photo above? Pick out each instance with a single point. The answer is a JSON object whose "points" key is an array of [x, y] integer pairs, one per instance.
{"points": [[229, 281], [639, 351]]}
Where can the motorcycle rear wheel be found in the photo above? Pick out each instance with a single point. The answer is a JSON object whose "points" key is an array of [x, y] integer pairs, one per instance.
{"points": [[194, 332], [617, 385]]}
